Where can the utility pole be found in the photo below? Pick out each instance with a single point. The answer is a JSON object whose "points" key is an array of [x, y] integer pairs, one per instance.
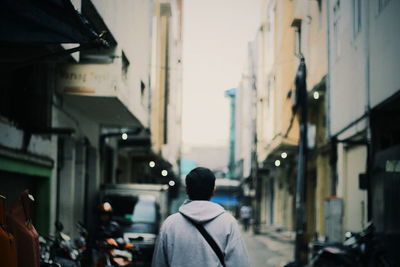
{"points": [[301, 106]]}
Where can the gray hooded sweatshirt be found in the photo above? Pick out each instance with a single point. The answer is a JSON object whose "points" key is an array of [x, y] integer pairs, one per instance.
{"points": [[180, 244]]}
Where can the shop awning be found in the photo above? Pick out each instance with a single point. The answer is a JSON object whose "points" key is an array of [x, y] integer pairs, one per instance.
{"points": [[43, 22], [225, 200], [15, 161]]}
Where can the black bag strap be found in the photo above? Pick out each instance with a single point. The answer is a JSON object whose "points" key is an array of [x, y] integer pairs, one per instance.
{"points": [[208, 238]]}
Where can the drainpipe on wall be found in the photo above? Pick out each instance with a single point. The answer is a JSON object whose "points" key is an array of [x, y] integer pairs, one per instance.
{"points": [[301, 106], [60, 165], [328, 76], [333, 165], [333, 141], [368, 111]]}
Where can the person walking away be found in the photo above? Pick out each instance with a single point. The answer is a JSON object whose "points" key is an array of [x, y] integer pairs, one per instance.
{"points": [[245, 215], [182, 241]]}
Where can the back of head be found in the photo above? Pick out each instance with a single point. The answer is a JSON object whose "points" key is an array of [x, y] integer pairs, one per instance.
{"points": [[200, 183]]}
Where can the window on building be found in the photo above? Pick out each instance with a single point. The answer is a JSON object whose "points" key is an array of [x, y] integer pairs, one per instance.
{"points": [[296, 24], [297, 48], [142, 91], [357, 16]]}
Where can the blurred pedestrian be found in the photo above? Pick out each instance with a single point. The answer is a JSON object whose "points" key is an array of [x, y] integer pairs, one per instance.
{"points": [[245, 216], [107, 227], [202, 233]]}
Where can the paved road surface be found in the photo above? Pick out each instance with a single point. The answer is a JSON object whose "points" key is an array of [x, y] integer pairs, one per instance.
{"points": [[267, 252]]}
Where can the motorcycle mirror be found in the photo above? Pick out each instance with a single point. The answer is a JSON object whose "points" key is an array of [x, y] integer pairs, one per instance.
{"points": [[120, 241], [348, 234]]}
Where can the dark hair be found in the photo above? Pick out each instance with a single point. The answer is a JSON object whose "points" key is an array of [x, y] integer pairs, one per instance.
{"points": [[200, 183]]}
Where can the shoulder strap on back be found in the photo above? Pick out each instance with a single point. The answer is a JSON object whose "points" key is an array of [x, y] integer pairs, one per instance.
{"points": [[208, 238]]}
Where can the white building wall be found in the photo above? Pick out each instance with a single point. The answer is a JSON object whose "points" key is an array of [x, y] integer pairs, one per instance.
{"points": [[313, 41], [352, 162], [239, 125], [248, 128], [259, 55], [269, 71], [68, 117], [172, 150], [72, 170], [347, 59], [384, 39], [12, 137], [348, 102], [361, 77], [130, 24], [245, 115], [265, 56]]}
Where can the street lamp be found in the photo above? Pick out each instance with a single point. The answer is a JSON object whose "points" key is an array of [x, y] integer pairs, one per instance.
{"points": [[152, 164], [124, 136], [277, 163], [171, 183], [284, 155], [164, 173]]}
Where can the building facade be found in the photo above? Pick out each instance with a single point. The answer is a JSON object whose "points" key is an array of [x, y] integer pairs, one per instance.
{"points": [[352, 158], [166, 98], [362, 111], [71, 123]]}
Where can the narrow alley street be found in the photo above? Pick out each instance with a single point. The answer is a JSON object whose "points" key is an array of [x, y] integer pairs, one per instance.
{"points": [[115, 115], [265, 251]]}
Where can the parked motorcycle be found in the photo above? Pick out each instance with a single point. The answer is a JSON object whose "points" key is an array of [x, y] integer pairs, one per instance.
{"points": [[359, 249], [62, 249], [115, 252], [81, 244], [46, 259]]}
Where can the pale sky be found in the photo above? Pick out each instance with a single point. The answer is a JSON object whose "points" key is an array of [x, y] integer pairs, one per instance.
{"points": [[216, 34]]}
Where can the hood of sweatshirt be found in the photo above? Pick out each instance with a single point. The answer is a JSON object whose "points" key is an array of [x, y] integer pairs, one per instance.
{"points": [[201, 211]]}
